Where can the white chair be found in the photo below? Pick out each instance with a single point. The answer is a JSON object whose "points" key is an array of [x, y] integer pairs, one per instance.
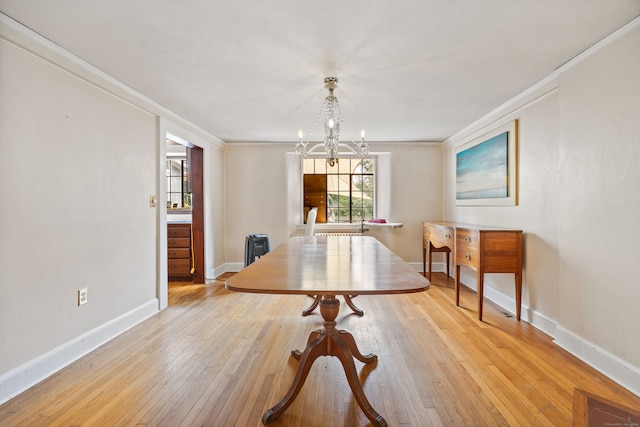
{"points": [[311, 222]]}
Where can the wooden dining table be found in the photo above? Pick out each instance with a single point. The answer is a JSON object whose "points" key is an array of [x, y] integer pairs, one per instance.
{"points": [[329, 266]]}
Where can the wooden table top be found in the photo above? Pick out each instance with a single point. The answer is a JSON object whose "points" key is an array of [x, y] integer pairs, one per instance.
{"points": [[329, 265]]}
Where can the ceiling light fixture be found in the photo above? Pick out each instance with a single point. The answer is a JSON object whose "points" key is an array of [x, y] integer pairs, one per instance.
{"points": [[332, 122]]}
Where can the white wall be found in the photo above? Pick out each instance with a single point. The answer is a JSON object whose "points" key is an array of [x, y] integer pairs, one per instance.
{"points": [[215, 205], [599, 157], [80, 156], [256, 196], [578, 202], [77, 167], [259, 195]]}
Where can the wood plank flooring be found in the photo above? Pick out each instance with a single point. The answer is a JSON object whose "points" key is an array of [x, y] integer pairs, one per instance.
{"points": [[219, 358]]}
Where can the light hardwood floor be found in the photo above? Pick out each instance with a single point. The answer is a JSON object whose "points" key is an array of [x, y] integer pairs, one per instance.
{"points": [[218, 358]]}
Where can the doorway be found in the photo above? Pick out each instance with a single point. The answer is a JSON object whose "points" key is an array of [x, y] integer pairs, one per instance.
{"points": [[185, 211]]}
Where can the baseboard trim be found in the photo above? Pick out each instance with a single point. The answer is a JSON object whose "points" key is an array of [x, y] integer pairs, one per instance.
{"points": [[620, 371], [233, 267], [31, 373]]}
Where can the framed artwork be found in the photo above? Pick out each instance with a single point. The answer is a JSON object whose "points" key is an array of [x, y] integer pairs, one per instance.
{"points": [[486, 168]]}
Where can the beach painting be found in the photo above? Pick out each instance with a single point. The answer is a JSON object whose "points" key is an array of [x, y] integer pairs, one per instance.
{"points": [[485, 169]]}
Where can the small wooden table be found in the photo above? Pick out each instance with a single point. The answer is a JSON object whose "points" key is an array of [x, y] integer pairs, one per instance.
{"points": [[329, 266]]}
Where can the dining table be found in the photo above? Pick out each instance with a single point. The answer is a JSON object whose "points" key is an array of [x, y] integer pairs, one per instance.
{"points": [[329, 266]]}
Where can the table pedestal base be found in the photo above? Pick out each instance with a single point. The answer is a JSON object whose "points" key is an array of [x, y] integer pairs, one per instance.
{"points": [[347, 298], [329, 341]]}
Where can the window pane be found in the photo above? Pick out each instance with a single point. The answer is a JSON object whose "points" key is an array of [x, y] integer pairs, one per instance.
{"points": [[366, 166], [345, 165], [176, 200], [308, 166], [344, 198], [367, 182], [356, 198], [333, 200], [343, 184], [321, 165], [176, 184], [331, 214], [332, 183]]}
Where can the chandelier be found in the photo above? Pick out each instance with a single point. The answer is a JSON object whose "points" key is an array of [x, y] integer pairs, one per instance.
{"points": [[332, 122]]}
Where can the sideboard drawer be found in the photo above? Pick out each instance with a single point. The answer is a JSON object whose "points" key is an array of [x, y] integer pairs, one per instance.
{"points": [[441, 236], [470, 238], [468, 256]]}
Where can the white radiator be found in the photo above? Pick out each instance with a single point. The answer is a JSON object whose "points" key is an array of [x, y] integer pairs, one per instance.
{"points": [[340, 233]]}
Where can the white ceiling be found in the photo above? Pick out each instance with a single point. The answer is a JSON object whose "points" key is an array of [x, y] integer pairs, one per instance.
{"points": [[253, 70]]}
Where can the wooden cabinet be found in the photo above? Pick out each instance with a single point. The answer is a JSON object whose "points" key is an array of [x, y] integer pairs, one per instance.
{"points": [[179, 251], [315, 196], [483, 249]]}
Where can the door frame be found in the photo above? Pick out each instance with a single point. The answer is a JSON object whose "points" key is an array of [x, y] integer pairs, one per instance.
{"points": [[167, 129]]}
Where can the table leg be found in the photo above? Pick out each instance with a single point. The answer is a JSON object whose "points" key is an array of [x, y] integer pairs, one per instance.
{"points": [[347, 298], [518, 280], [457, 285], [352, 306], [480, 280], [329, 342], [307, 311]]}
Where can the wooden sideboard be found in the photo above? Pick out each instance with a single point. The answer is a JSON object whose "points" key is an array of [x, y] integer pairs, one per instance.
{"points": [[483, 249], [179, 251]]}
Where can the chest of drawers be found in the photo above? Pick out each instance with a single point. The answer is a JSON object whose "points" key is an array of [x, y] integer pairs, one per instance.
{"points": [[179, 251], [483, 249]]}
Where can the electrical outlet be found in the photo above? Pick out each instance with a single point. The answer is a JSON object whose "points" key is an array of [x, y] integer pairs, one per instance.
{"points": [[82, 296]]}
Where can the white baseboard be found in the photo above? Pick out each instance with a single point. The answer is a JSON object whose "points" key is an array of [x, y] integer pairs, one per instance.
{"points": [[233, 267], [625, 374], [217, 272], [23, 377], [620, 371]]}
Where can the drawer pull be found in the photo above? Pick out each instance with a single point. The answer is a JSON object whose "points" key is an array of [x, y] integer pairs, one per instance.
{"points": [[468, 239], [448, 236], [467, 256]]}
